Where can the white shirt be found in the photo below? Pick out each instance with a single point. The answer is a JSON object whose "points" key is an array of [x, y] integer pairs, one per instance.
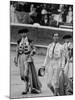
{"points": [[58, 53], [24, 40], [57, 50]]}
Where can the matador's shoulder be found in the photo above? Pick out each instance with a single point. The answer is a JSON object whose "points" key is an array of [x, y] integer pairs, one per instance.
{"points": [[50, 44]]}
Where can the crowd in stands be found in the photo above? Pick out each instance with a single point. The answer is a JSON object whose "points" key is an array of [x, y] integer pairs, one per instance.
{"points": [[41, 13]]}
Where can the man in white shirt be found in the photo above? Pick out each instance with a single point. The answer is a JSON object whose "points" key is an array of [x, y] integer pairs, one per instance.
{"points": [[54, 62]]}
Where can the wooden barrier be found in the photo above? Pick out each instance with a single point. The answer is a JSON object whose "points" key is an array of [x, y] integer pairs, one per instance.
{"points": [[39, 34]]}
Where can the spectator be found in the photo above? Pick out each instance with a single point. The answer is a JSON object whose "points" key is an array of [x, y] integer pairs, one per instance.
{"points": [[64, 14], [24, 17], [54, 8], [52, 22], [33, 13], [38, 10], [27, 19], [45, 20], [44, 10], [61, 8], [32, 9], [69, 17], [58, 18], [12, 14], [23, 14], [13, 18]]}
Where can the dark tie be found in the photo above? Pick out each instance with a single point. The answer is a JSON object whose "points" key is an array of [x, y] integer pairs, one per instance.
{"points": [[54, 48]]}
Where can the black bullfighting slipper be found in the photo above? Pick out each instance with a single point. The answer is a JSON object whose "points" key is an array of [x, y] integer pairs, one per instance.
{"points": [[23, 93], [56, 92], [35, 91], [51, 88]]}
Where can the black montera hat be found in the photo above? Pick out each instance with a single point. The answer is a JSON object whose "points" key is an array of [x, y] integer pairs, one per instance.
{"points": [[67, 36], [23, 31]]}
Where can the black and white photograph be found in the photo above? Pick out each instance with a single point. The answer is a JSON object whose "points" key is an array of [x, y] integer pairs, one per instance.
{"points": [[41, 49]]}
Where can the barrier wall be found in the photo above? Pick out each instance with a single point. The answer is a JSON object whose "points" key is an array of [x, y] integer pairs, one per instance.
{"points": [[39, 34]]}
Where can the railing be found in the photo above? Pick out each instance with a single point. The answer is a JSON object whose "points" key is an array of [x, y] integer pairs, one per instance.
{"points": [[43, 27]]}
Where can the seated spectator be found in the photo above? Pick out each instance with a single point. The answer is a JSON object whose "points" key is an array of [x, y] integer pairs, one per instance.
{"points": [[38, 10], [12, 13], [44, 16], [24, 18], [54, 8], [44, 11], [40, 13], [64, 14], [61, 8], [33, 13], [52, 22], [45, 20], [32, 10], [69, 17], [58, 18], [50, 19], [13, 18]]}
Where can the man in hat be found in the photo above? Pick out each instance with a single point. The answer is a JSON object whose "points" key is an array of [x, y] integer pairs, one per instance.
{"points": [[66, 77], [68, 50], [54, 62], [25, 51]]}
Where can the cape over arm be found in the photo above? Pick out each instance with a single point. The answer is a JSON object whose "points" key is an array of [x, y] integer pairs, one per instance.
{"points": [[46, 61], [33, 49], [63, 57]]}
